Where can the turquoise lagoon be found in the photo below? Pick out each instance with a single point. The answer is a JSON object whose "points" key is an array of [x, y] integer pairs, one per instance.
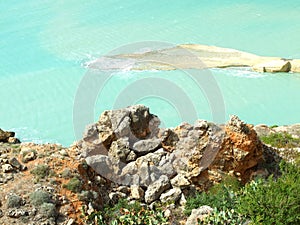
{"points": [[44, 46]]}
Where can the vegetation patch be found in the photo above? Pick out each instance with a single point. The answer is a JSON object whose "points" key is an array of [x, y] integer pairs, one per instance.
{"points": [[42, 171], [74, 185], [38, 198], [126, 213], [281, 140], [267, 202]]}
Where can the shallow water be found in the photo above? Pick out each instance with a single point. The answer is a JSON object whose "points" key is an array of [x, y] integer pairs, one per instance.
{"points": [[44, 45]]}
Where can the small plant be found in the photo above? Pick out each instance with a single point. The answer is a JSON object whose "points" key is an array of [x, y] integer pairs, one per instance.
{"points": [[281, 140], [37, 198], [66, 173], [41, 171], [14, 201], [48, 210], [74, 185]]}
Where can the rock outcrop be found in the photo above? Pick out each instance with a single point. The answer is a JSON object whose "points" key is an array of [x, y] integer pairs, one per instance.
{"points": [[273, 66], [127, 147], [194, 56], [8, 137]]}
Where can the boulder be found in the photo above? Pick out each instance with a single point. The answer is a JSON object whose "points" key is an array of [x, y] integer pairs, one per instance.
{"points": [[136, 192], [171, 195], [143, 147], [198, 214], [155, 189], [273, 66]]}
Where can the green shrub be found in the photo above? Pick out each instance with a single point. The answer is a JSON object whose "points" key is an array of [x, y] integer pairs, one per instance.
{"points": [[273, 201], [14, 201], [37, 198], [48, 210], [221, 196], [41, 171], [74, 185], [281, 140]]}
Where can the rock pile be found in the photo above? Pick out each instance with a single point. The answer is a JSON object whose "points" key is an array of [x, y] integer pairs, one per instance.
{"points": [[127, 147]]}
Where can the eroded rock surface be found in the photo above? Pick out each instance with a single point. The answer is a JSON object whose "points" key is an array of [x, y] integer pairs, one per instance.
{"points": [[187, 156]]}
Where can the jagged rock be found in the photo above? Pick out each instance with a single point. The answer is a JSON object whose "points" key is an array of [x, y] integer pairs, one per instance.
{"points": [[155, 189], [15, 163], [119, 149], [180, 181], [198, 214], [28, 156], [131, 156], [171, 195], [273, 66], [5, 135], [136, 192], [143, 147], [189, 155]]}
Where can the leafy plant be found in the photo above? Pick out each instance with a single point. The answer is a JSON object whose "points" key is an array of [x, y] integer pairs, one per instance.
{"points": [[125, 213], [281, 140], [273, 201], [220, 196], [223, 217], [74, 185]]}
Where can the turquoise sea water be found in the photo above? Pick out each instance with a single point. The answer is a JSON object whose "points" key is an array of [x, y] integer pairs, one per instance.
{"points": [[44, 45]]}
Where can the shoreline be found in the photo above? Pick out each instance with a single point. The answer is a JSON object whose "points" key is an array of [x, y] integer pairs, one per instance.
{"points": [[195, 56]]}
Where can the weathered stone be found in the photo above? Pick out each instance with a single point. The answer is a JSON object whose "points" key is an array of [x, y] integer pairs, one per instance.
{"points": [[15, 163], [198, 214], [131, 156], [145, 146], [155, 189], [28, 156], [180, 181], [171, 195], [119, 149], [136, 192]]}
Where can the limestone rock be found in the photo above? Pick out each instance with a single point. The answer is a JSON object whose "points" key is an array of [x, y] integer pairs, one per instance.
{"points": [[145, 146], [180, 181], [273, 66], [171, 195], [119, 149], [155, 189], [198, 214], [136, 192]]}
